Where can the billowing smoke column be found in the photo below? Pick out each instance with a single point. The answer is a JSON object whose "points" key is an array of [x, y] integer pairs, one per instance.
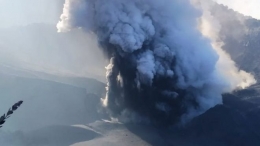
{"points": [[161, 67]]}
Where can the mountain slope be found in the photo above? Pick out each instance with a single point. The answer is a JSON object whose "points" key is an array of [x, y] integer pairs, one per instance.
{"points": [[241, 37]]}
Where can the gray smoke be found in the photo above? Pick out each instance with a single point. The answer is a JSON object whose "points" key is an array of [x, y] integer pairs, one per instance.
{"points": [[161, 67]]}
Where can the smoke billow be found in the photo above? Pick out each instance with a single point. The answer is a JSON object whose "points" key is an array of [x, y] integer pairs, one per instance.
{"points": [[211, 27], [161, 66]]}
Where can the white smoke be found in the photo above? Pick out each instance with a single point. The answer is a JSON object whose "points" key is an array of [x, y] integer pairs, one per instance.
{"points": [[246, 7], [171, 46], [210, 27], [146, 67]]}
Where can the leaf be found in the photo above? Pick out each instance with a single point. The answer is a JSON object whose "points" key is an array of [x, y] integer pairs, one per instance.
{"points": [[20, 102], [14, 107], [2, 118], [9, 112], [2, 122]]}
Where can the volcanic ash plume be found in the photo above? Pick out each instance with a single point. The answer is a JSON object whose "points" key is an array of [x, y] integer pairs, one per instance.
{"points": [[161, 67]]}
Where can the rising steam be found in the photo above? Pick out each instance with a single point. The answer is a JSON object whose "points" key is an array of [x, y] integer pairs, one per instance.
{"points": [[210, 27], [161, 66]]}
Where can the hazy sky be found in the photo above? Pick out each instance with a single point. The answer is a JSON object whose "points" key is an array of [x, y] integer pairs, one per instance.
{"points": [[29, 39], [246, 7], [22, 12]]}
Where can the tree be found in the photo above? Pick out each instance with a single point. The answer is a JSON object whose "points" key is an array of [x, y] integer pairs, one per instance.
{"points": [[10, 111]]}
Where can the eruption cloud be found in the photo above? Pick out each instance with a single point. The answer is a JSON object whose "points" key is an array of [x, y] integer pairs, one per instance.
{"points": [[162, 68]]}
